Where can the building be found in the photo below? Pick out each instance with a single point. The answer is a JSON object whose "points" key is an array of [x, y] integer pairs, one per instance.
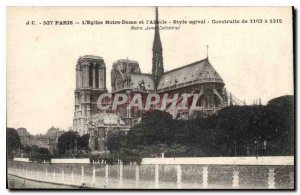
{"points": [[41, 141], [49, 140], [25, 136], [126, 77], [196, 78], [53, 134], [90, 84], [100, 126]]}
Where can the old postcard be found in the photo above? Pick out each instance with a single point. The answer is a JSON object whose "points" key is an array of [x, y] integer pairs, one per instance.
{"points": [[150, 98]]}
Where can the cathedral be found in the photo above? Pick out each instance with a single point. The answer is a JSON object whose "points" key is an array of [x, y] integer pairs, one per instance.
{"points": [[196, 78], [127, 78]]}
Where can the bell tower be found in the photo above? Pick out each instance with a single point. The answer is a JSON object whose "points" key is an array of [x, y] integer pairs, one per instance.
{"points": [[90, 84]]}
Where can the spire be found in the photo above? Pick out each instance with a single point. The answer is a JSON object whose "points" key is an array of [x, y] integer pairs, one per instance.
{"points": [[157, 43], [157, 56], [156, 17], [207, 46]]}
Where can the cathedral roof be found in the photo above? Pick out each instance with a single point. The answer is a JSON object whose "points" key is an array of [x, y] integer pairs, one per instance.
{"points": [[142, 79], [201, 71]]}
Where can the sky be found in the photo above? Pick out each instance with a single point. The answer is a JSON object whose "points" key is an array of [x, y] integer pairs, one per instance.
{"points": [[254, 60]]}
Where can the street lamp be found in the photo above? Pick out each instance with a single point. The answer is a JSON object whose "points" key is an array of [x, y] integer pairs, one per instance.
{"points": [[103, 139], [234, 147], [76, 151], [265, 147], [256, 149]]}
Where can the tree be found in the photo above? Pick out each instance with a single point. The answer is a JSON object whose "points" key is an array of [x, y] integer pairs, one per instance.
{"points": [[156, 127], [27, 149], [83, 142], [43, 155], [114, 142], [39, 154], [233, 131], [13, 142], [34, 148], [68, 143]]}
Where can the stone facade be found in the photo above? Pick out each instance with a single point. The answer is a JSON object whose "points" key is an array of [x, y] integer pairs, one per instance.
{"points": [[90, 84], [100, 126]]}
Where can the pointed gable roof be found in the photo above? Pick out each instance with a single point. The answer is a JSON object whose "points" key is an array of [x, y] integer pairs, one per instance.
{"points": [[200, 70]]}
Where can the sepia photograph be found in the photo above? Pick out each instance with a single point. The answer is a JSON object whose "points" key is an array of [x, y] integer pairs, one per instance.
{"points": [[153, 97]]}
